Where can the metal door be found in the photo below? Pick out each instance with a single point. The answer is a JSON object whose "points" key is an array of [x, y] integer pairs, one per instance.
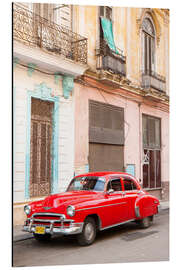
{"points": [[106, 157], [152, 169], [41, 150], [106, 137]]}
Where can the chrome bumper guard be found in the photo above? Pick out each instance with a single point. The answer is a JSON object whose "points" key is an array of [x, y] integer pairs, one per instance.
{"points": [[73, 228]]}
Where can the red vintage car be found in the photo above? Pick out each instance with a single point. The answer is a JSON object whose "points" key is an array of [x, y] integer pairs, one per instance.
{"points": [[92, 202]]}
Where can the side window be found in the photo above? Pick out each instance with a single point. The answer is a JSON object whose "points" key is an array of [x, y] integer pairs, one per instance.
{"points": [[129, 184], [115, 184]]}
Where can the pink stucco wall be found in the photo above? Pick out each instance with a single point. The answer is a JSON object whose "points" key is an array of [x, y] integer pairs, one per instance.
{"points": [[133, 128]]}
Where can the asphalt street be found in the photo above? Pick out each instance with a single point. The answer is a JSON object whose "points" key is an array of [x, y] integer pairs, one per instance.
{"points": [[125, 243]]}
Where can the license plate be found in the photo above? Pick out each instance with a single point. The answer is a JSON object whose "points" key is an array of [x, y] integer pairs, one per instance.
{"points": [[40, 230]]}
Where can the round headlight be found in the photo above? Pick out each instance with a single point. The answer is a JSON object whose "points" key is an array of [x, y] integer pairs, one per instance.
{"points": [[27, 209], [71, 211]]}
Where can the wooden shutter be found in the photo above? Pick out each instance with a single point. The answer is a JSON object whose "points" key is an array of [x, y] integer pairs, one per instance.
{"points": [[65, 16], [106, 123]]}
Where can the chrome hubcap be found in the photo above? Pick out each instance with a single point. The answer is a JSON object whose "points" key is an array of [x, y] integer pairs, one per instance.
{"points": [[89, 231]]}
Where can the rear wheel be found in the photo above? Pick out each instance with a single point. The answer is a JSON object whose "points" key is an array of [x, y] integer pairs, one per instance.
{"points": [[88, 234], [146, 222], [42, 237]]}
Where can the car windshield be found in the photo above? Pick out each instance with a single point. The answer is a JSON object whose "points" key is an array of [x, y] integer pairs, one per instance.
{"points": [[87, 183]]}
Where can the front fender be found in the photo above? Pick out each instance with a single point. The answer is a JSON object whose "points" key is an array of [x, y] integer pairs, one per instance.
{"points": [[146, 205]]}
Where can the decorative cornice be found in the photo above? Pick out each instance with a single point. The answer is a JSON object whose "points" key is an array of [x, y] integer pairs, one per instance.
{"points": [[92, 80], [43, 91], [31, 68], [57, 78], [68, 85]]}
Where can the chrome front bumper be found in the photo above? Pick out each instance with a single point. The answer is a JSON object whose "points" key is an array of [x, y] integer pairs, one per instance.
{"points": [[74, 228]]}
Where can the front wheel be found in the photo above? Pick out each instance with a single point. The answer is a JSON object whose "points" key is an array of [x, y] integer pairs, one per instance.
{"points": [[146, 222], [88, 234], [42, 237]]}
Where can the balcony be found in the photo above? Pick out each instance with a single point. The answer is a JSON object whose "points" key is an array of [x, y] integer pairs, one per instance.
{"points": [[35, 31], [151, 79], [110, 61]]}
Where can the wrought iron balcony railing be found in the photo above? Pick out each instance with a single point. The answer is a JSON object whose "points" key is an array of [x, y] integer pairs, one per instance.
{"points": [[35, 30], [110, 61], [151, 79]]}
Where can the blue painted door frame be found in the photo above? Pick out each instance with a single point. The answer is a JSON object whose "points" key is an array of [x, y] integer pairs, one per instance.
{"points": [[44, 93]]}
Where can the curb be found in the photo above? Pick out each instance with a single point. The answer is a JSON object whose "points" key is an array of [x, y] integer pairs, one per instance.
{"points": [[22, 237]]}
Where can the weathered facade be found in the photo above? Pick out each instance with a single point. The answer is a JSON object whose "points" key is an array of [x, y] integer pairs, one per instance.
{"points": [[128, 58], [91, 92], [46, 59]]}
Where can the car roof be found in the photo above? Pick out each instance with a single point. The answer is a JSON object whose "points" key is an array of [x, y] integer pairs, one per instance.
{"points": [[104, 174]]}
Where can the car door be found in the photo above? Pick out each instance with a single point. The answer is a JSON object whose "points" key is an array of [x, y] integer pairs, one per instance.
{"points": [[131, 191], [115, 201]]}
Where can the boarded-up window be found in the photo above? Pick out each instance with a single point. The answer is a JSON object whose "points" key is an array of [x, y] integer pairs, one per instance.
{"points": [[106, 123]]}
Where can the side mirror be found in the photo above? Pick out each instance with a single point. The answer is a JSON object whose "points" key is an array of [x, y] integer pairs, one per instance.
{"points": [[110, 191]]}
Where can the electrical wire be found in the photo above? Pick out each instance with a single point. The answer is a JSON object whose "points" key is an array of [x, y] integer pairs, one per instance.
{"points": [[118, 94], [98, 88]]}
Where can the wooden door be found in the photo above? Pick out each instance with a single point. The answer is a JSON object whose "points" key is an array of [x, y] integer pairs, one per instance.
{"points": [[41, 148]]}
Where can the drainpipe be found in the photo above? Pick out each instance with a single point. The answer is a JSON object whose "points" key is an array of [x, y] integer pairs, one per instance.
{"points": [[140, 143]]}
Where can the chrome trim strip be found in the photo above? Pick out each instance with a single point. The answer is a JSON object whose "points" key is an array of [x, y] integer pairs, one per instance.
{"points": [[100, 206], [52, 220], [114, 225]]}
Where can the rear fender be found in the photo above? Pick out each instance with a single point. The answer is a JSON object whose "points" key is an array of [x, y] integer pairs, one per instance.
{"points": [[146, 205]]}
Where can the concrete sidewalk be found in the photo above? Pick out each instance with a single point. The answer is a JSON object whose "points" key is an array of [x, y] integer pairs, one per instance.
{"points": [[19, 235]]}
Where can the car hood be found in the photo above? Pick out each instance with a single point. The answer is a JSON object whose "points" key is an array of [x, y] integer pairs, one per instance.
{"points": [[62, 200]]}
